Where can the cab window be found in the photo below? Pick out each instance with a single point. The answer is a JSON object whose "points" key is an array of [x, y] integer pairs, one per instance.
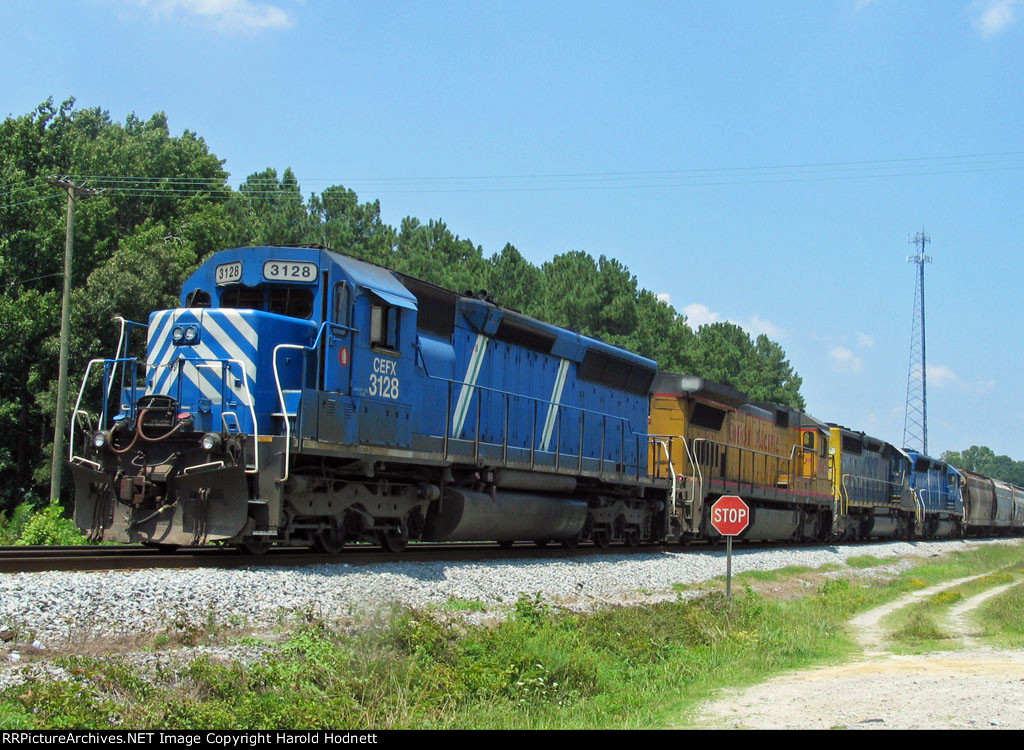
{"points": [[295, 302], [341, 303], [197, 298], [241, 296], [384, 325]]}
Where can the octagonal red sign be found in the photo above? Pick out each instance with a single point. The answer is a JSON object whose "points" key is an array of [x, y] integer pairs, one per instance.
{"points": [[730, 515]]}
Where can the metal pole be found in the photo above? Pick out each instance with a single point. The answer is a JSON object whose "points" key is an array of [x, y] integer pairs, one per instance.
{"points": [[728, 567]]}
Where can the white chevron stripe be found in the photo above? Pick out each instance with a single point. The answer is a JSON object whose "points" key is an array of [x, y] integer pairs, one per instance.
{"points": [[156, 338], [556, 398], [469, 384], [237, 319], [225, 340]]}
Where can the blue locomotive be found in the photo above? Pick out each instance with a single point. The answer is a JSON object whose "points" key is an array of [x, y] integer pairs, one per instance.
{"points": [[302, 397]]}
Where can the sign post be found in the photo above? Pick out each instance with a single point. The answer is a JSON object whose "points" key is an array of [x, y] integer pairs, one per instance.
{"points": [[730, 516]]}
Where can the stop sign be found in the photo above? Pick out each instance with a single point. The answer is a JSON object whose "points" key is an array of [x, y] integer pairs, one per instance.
{"points": [[730, 515]]}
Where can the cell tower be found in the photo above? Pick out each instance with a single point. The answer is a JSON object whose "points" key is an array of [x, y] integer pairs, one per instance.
{"points": [[915, 420]]}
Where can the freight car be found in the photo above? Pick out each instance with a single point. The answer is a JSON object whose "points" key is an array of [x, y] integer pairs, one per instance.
{"points": [[301, 397]]}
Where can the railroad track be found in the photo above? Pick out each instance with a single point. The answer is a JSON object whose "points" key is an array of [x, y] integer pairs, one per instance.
{"points": [[136, 557]]}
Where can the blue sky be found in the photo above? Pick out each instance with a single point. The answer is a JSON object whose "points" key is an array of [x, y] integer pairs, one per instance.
{"points": [[762, 162]]}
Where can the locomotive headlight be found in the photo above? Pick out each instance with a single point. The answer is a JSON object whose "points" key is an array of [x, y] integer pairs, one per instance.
{"points": [[178, 334], [100, 438], [191, 334], [210, 441]]}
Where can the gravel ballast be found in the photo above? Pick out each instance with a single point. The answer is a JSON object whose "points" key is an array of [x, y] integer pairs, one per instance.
{"points": [[58, 608]]}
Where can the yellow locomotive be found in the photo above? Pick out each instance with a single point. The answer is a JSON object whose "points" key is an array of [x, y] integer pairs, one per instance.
{"points": [[714, 442]]}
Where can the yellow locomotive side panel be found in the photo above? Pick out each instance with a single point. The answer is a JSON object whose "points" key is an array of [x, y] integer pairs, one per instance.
{"points": [[758, 446], [668, 419]]}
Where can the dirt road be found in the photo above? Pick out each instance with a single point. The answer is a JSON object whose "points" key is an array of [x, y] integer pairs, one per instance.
{"points": [[972, 688]]}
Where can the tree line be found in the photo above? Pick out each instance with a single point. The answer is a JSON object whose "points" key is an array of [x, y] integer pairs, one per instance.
{"points": [[983, 460], [166, 204]]}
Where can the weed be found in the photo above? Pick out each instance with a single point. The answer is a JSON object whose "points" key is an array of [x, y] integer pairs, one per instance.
{"points": [[531, 609], [920, 627], [866, 561], [456, 604]]}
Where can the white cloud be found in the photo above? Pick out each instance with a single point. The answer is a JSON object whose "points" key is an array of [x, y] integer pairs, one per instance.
{"points": [[996, 15], [233, 15], [698, 315], [758, 325], [843, 360], [665, 297], [941, 375], [864, 340]]}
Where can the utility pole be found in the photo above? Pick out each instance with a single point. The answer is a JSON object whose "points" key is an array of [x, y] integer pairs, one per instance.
{"points": [[56, 466], [915, 419]]}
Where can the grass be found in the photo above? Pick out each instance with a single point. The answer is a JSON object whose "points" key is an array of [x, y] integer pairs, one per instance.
{"points": [[618, 667], [456, 604], [866, 561], [1002, 618], [921, 627]]}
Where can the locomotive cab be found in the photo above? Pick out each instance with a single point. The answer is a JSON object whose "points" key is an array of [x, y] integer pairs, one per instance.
{"points": [[197, 444]]}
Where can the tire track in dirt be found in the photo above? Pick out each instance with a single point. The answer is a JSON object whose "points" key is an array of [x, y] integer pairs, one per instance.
{"points": [[974, 688]]}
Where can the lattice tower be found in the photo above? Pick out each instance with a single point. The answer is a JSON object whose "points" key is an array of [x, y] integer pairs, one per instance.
{"points": [[915, 420]]}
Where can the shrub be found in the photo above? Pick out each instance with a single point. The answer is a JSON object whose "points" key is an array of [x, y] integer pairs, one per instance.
{"points": [[50, 527]]}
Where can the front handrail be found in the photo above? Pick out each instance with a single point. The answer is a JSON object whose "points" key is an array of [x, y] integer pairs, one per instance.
{"points": [[78, 403], [110, 367]]}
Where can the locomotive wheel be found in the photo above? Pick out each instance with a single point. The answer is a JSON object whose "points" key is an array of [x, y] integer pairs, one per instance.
{"points": [[602, 538], [571, 542], [541, 543], [393, 540], [254, 547], [506, 543], [161, 547], [329, 541], [633, 537]]}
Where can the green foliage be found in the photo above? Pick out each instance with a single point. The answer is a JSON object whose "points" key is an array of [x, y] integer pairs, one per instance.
{"points": [[12, 528], [983, 460], [49, 526]]}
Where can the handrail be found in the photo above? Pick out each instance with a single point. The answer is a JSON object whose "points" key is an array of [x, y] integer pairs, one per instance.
{"points": [[655, 440], [791, 458], [250, 402], [78, 403], [447, 437], [280, 393], [858, 477], [179, 363], [284, 409]]}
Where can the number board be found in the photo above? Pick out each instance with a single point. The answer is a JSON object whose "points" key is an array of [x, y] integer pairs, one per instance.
{"points": [[229, 273], [289, 270]]}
